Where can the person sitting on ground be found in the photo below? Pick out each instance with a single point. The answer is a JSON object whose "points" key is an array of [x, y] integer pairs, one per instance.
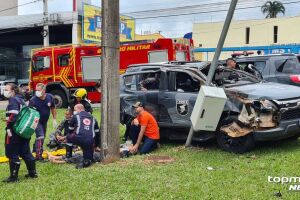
{"points": [[144, 129], [63, 126], [84, 133]]}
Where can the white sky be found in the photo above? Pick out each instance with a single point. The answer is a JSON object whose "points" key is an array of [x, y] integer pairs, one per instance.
{"points": [[170, 26]]}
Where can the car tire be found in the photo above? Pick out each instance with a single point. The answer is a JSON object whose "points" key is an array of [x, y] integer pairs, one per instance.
{"points": [[295, 137], [236, 145], [60, 99]]}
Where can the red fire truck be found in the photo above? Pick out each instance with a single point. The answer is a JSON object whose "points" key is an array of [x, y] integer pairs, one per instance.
{"points": [[65, 68]]}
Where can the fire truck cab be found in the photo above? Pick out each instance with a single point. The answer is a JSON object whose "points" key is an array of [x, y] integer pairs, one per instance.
{"points": [[64, 68]]}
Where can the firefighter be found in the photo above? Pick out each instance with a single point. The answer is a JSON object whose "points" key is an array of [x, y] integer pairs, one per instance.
{"points": [[80, 97], [16, 146], [44, 103], [84, 133]]}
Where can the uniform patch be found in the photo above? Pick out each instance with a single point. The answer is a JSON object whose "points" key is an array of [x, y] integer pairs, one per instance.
{"points": [[49, 104], [182, 107], [86, 121]]}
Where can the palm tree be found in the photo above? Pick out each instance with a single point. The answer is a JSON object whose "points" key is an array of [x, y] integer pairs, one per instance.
{"points": [[272, 9]]}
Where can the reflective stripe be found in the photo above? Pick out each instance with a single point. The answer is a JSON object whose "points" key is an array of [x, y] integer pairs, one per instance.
{"points": [[93, 127], [97, 130], [26, 124], [13, 111], [78, 124], [71, 128]]}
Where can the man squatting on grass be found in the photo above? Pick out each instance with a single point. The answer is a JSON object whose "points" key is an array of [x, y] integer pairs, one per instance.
{"points": [[143, 128], [84, 132]]}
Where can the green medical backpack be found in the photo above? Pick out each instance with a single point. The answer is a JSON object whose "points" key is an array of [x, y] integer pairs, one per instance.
{"points": [[26, 122]]}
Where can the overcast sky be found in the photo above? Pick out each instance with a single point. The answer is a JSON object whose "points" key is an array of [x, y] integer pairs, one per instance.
{"points": [[175, 26]]}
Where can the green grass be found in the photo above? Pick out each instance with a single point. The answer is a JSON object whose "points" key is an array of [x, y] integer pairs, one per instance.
{"points": [[233, 176]]}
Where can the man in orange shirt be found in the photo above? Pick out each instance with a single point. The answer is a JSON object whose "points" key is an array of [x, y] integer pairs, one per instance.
{"points": [[144, 128]]}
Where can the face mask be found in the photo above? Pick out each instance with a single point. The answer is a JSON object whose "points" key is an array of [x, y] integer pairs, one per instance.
{"points": [[75, 112], [38, 93], [7, 94]]}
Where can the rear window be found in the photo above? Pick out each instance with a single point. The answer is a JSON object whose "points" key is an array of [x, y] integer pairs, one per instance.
{"points": [[288, 66]]}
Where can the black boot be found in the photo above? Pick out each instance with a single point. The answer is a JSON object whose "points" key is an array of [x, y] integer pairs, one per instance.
{"points": [[14, 171], [31, 169], [69, 151], [85, 163]]}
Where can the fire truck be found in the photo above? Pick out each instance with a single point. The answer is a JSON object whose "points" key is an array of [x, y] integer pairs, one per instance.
{"points": [[66, 68]]}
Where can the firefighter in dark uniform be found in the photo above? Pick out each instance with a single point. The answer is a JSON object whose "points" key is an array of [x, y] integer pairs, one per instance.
{"points": [[80, 97], [16, 146], [84, 133]]}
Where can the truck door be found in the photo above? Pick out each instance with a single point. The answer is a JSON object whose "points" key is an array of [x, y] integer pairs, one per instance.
{"points": [[177, 102], [144, 87], [64, 71], [41, 71]]}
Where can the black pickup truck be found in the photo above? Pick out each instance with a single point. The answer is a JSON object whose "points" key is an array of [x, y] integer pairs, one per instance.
{"points": [[255, 110]]}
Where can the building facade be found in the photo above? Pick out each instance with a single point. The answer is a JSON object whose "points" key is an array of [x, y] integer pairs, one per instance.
{"points": [[9, 8], [279, 35]]}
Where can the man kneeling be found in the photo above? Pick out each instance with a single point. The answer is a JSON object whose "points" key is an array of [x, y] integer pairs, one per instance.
{"points": [[84, 132], [144, 128]]}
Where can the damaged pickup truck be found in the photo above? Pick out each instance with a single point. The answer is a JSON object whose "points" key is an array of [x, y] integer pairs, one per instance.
{"points": [[255, 110]]}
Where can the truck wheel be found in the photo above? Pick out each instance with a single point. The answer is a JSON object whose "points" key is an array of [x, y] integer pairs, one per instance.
{"points": [[233, 144], [60, 99]]}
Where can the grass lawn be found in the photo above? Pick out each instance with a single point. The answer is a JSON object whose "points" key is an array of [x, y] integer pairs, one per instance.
{"points": [[200, 173]]}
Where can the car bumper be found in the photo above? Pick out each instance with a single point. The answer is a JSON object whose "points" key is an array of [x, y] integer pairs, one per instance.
{"points": [[285, 129]]}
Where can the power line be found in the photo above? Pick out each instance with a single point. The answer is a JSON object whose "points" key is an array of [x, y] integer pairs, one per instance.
{"points": [[10, 8], [205, 12], [62, 22]]}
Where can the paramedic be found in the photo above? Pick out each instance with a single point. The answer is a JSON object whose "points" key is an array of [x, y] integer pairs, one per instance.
{"points": [[16, 146], [44, 103], [84, 132]]}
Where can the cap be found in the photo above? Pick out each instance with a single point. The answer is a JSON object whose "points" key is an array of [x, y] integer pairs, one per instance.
{"points": [[138, 104]]}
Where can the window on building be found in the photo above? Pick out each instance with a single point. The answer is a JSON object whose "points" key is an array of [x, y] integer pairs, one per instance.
{"points": [[247, 35], [275, 34]]}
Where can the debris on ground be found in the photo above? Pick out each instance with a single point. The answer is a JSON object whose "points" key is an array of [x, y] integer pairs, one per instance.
{"points": [[160, 159]]}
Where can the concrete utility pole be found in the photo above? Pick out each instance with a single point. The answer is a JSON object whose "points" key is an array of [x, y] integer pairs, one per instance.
{"points": [[75, 24], [110, 101], [214, 63], [45, 32]]}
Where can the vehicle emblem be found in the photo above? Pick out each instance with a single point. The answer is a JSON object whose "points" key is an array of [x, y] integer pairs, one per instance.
{"points": [[182, 107]]}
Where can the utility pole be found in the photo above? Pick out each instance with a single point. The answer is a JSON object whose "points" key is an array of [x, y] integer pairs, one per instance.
{"points": [[214, 63], [75, 24], [110, 100], [45, 32]]}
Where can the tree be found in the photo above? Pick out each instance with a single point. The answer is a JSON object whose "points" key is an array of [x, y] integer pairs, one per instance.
{"points": [[272, 9]]}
